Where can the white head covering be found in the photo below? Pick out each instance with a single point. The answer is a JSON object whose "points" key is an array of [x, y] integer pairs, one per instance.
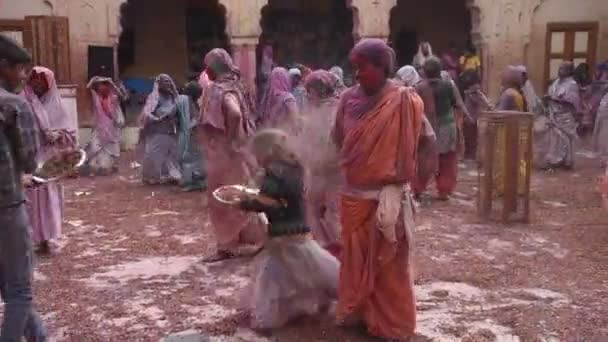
{"points": [[420, 58], [295, 72], [49, 109], [409, 76], [154, 97], [336, 70]]}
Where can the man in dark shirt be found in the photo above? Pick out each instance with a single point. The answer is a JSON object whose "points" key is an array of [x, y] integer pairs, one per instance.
{"points": [[18, 145]]}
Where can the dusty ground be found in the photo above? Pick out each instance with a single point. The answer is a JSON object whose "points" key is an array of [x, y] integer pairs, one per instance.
{"points": [[129, 269]]}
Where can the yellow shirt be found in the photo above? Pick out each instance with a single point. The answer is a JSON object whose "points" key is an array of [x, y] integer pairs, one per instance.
{"points": [[470, 63], [519, 99]]}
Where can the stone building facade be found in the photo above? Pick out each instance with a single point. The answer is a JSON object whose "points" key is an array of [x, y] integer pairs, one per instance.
{"points": [[538, 33]]}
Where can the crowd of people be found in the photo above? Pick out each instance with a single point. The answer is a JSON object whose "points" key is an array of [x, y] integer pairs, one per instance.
{"points": [[573, 107], [338, 169]]}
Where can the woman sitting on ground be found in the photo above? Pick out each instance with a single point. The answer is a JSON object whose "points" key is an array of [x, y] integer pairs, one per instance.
{"points": [[295, 276]]}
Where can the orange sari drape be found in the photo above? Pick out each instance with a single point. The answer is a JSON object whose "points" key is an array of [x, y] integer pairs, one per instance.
{"points": [[376, 278]]}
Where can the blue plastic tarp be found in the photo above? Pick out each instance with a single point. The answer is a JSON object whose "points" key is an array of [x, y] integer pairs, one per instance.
{"points": [[139, 85]]}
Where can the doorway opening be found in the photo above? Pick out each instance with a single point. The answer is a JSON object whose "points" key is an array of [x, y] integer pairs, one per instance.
{"points": [[315, 33], [205, 30], [101, 61], [169, 37], [439, 22]]}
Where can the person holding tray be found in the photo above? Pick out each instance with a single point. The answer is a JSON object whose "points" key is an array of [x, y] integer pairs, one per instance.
{"points": [[225, 126], [57, 137], [295, 276], [18, 150]]}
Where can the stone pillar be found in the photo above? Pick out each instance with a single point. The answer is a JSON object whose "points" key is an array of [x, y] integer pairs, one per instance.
{"points": [[503, 33], [244, 55], [244, 31], [161, 47], [372, 18]]}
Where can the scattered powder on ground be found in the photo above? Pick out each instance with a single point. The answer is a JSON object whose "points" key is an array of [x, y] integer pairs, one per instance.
{"points": [[444, 306], [142, 269], [160, 213]]}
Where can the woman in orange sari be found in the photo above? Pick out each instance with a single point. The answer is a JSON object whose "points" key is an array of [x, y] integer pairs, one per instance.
{"points": [[377, 129]]}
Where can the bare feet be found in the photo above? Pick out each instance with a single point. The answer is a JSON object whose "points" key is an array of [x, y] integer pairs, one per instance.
{"points": [[352, 322], [219, 256], [443, 197]]}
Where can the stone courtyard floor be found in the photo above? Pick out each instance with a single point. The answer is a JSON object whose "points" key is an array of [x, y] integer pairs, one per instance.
{"points": [[129, 268]]}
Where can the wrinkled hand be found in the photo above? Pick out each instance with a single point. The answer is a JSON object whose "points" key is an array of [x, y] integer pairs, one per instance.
{"points": [[245, 197], [52, 136], [27, 180]]}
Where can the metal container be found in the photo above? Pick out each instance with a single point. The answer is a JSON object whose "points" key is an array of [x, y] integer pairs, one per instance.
{"points": [[505, 166]]}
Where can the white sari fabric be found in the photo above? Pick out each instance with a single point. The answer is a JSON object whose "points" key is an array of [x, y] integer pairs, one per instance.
{"points": [[555, 146]]}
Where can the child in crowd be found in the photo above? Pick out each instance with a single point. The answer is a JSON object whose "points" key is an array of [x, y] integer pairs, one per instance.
{"points": [[294, 275]]}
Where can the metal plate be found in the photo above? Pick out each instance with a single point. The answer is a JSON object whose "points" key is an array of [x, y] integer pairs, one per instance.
{"points": [[81, 161], [221, 193]]}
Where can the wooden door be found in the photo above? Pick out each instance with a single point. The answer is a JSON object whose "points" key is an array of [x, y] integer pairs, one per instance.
{"points": [[13, 29], [101, 61], [49, 39], [576, 42]]}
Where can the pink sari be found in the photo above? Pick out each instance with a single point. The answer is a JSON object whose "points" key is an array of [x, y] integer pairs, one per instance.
{"points": [[45, 202], [227, 164], [103, 150], [279, 109]]}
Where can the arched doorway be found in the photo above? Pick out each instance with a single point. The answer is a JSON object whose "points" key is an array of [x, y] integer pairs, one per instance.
{"points": [[316, 33], [205, 30], [159, 36], [171, 37], [439, 22]]}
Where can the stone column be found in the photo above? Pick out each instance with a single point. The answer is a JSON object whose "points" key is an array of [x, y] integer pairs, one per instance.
{"points": [[244, 55], [504, 28], [372, 18], [244, 31]]}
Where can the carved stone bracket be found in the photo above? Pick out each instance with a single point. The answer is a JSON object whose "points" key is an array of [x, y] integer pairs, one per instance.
{"points": [[375, 22], [501, 29], [243, 18], [52, 5], [476, 16]]}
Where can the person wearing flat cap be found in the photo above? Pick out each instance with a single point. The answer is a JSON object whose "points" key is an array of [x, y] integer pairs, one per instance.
{"points": [[18, 148]]}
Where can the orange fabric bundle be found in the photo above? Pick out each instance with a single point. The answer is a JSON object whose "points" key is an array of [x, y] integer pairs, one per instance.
{"points": [[382, 148]]}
